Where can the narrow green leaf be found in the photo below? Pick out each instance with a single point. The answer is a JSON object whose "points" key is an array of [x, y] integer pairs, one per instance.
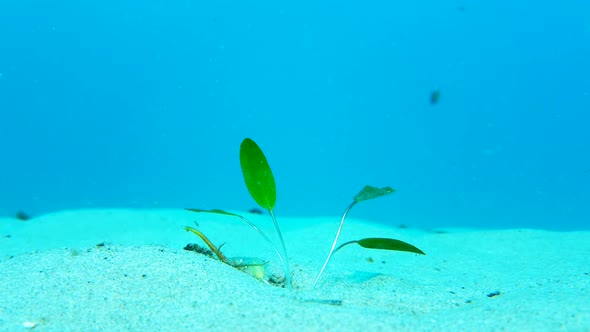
{"points": [[216, 211], [369, 192], [388, 244], [257, 174], [254, 227]]}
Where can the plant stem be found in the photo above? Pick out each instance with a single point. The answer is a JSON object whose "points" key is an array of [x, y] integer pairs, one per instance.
{"points": [[345, 244], [251, 224], [215, 250], [286, 261], [333, 244]]}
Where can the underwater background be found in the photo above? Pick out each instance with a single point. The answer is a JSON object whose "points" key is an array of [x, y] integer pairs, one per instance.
{"points": [[477, 113]]}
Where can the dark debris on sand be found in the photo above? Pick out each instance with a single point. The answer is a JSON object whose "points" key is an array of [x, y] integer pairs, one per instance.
{"points": [[198, 249]]}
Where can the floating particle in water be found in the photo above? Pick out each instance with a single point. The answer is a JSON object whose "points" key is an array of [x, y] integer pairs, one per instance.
{"points": [[434, 96]]}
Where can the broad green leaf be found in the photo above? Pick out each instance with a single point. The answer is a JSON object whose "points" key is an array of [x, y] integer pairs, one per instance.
{"points": [[388, 244], [369, 192], [257, 175]]}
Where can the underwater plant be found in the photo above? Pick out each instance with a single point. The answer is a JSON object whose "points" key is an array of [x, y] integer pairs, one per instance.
{"points": [[261, 186], [252, 266], [367, 193]]}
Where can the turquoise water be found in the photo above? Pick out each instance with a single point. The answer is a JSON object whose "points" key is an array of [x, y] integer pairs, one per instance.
{"points": [[143, 104]]}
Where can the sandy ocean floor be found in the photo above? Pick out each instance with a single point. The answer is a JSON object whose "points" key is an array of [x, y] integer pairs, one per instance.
{"points": [[126, 270]]}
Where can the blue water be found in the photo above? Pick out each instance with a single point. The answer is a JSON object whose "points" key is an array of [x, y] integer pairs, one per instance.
{"points": [[143, 104]]}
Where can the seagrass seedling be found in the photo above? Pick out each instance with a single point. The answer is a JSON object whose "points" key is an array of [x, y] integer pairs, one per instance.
{"points": [[365, 194], [261, 186]]}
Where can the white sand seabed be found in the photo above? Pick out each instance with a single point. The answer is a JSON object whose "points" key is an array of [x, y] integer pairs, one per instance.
{"points": [[54, 277]]}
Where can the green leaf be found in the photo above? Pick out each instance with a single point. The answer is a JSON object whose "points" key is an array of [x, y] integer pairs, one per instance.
{"points": [[388, 244], [216, 211], [257, 174], [369, 192]]}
